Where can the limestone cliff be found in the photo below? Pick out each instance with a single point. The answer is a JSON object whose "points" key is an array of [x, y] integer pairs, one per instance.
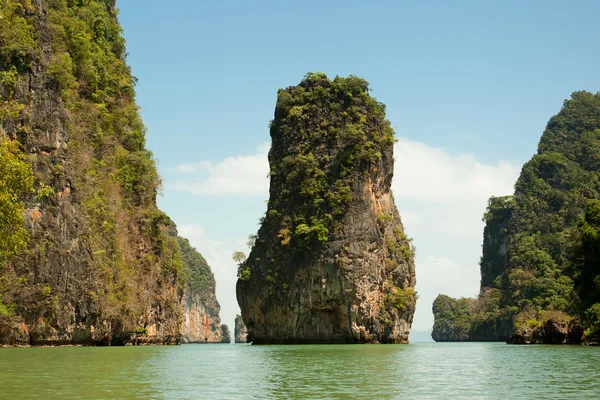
{"points": [[331, 262], [201, 321], [241, 333], [96, 264], [539, 271], [495, 239]]}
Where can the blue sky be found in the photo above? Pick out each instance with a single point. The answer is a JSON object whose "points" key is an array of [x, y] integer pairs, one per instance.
{"points": [[469, 86]]}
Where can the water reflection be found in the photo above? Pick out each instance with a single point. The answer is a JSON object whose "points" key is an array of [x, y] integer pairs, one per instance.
{"points": [[339, 371], [432, 370]]}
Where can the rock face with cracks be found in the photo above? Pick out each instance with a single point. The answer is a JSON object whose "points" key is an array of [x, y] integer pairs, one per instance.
{"points": [[331, 262], [201, 320], [94, 263]]}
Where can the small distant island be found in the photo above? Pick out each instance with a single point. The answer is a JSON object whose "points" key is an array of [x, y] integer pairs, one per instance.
{"points": [[331, 262], [540, 280]]}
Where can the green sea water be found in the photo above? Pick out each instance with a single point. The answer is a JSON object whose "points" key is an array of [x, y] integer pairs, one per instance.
{"points": [[416, 371]]}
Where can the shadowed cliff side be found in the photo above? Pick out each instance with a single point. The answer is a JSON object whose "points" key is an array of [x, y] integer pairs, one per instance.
{"points": [[241, 333], [331, 262]]}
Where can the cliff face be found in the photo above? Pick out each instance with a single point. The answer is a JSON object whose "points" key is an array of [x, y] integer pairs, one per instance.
{"points": [[539, 255], [331, 262], [201, 321], [495, 239], [241, 333], [96, 264]]}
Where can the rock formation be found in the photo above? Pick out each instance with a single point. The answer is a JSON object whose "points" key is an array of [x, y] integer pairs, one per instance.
{"points": [[201, 321], [331, 262], [225, 334], [96, 264], [241, 333], [539, 271]]}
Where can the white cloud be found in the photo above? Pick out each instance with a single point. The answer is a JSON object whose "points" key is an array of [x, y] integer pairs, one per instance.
{"points": [[240, 175], [433, 175], [441, 198]]}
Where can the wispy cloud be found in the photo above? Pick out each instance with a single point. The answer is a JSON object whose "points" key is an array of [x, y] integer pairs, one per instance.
{"points": [[239, 175], [433, 175]]}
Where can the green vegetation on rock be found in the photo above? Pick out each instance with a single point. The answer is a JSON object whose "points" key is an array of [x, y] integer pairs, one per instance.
{"points": [[77, 180], [16, 182], [317, 182], [540, 245], [196, 273], [17, 40], [331, 262]]}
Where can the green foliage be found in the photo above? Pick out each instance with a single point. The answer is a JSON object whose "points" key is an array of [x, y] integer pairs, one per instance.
{"points": [[61, 69], [16, 33], [318, 231], [314, 177], [251, 240], [243, 272], [198, 275], [315, 76], [453, 318], [141, 332], [587, 258], [467, 319], [238, 257], [550, 201], [16, 181], [499, 209], [10, 109], [495, 238], [404, 243], [541, 245], [532, 318], [44, 191], [88, 62], [138, 176], [113, 177], [401, 299], [6, 310], [592, 319]]}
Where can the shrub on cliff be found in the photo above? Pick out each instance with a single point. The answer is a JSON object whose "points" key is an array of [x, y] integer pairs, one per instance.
{"points": [[16, 181]]}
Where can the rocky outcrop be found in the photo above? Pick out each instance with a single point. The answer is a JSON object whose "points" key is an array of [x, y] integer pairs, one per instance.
{"points": [[331, 263], [100, 267], [540, 247], [551, 331], [592, 339], [495, 239], [201, 320], [225, 334], [201, 324], [241, 333]]}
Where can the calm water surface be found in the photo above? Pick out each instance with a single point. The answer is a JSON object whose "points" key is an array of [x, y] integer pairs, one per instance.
{"points": [[421, 370]]}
